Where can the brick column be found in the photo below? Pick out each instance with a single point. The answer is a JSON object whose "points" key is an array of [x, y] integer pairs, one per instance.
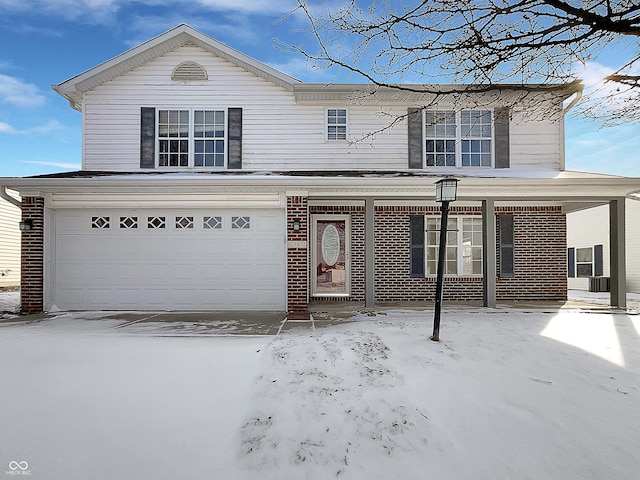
{"points": [[32, 257], [297, 258]]}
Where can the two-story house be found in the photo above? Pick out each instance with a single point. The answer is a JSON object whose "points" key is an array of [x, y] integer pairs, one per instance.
{"points": [[211, 181]]}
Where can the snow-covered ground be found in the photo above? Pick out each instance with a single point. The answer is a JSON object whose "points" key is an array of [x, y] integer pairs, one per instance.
{"points": [[507, 394], [9, 301]]}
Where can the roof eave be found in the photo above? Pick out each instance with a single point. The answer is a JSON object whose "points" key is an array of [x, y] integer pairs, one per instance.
{"points": [[418, 92], [561, 189]]}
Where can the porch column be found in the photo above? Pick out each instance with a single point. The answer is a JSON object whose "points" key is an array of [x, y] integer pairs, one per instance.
{"points": [[297, 256], [32, 257], [369, 253], [489, 253], [618, 267]]}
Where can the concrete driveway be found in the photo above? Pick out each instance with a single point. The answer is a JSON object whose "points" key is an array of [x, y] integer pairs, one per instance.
{"points": [[160, 323]]}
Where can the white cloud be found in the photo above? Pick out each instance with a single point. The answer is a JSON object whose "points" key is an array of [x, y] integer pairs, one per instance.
{"points": [[72, 166], [601, 95], [249, 6], [95, 10], [106, 11], [6, 128], [50, 126], [19, 93]]}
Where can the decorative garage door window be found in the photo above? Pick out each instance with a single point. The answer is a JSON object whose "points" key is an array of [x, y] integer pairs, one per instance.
{"points": [[100, 222], [156, 222], [240, 222], [331, 256], [184, 222], [212, 222], [128, 222], [169, 222]]}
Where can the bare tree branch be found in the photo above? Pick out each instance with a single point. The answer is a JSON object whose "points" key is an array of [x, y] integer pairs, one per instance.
{"points": [[478, 44]]}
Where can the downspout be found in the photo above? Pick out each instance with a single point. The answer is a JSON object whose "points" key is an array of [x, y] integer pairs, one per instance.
{"points": [[577, 98], [9, 198], [565, 110]]}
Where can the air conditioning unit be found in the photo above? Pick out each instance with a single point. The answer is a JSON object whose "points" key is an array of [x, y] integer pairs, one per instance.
{"points": [[599, 284]]}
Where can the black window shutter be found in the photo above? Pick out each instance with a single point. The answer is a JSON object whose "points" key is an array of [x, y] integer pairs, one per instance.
{"points": [[571, 262], [147, 137], [597, 261], [502, 137], [414, 120], [417, 245], [506, 245], [234, 138]]}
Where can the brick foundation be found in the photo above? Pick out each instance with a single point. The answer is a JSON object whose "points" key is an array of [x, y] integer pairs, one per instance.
{"points": [[32, 257]]}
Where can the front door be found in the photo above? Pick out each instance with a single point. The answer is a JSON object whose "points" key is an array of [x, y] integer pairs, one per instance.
{"points": [[331, 255]]}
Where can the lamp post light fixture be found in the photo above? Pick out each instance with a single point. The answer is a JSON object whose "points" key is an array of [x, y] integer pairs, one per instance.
{"points": [[446, 191]]}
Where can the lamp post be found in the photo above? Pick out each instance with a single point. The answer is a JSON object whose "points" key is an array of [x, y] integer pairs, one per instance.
{"points": [[446, 190]]}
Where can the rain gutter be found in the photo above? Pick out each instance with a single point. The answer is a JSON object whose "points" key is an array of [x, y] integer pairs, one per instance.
{"points": [[9, 198]]}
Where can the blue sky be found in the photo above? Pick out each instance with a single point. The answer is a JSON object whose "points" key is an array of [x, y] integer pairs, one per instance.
{"points": [[48, 41]]}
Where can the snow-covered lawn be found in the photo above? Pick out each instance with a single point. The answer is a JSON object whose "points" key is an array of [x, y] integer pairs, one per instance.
{"points": [[507, 394]]}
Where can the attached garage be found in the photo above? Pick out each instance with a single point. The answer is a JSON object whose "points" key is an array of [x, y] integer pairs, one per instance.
{"points": [[169, 259]]}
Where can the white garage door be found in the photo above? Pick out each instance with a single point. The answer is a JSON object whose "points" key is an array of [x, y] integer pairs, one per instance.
{"points": [[170, 260]]}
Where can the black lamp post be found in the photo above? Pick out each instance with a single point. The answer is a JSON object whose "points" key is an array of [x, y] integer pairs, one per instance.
{"points": [[446, 190]]}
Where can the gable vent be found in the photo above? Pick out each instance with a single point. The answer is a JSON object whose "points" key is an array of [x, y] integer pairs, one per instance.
{"points": [[189, 71]]}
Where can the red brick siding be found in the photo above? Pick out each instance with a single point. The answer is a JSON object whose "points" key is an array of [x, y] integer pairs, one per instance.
{"points": [[540, 255], [539, 258], [32, 254], [297, 258]]}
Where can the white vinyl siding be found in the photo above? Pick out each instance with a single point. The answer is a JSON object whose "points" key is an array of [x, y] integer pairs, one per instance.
{"points": [[633, 245], [9, 244], [278, 133], [536, 142], [585, 229], [590, 227]]}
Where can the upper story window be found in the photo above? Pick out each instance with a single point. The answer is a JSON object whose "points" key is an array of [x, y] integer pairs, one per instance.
{"points": [[191, 138], [458, 139], [336, 124]]}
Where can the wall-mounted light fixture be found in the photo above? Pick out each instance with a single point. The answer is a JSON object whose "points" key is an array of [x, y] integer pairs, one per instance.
{"points": [[296, 224], [26, 225]]}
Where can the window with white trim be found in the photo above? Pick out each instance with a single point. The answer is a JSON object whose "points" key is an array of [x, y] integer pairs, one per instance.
{"points": [[584, 262], [463, 255], [336, 124], [458, 139], [191, 138]]}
